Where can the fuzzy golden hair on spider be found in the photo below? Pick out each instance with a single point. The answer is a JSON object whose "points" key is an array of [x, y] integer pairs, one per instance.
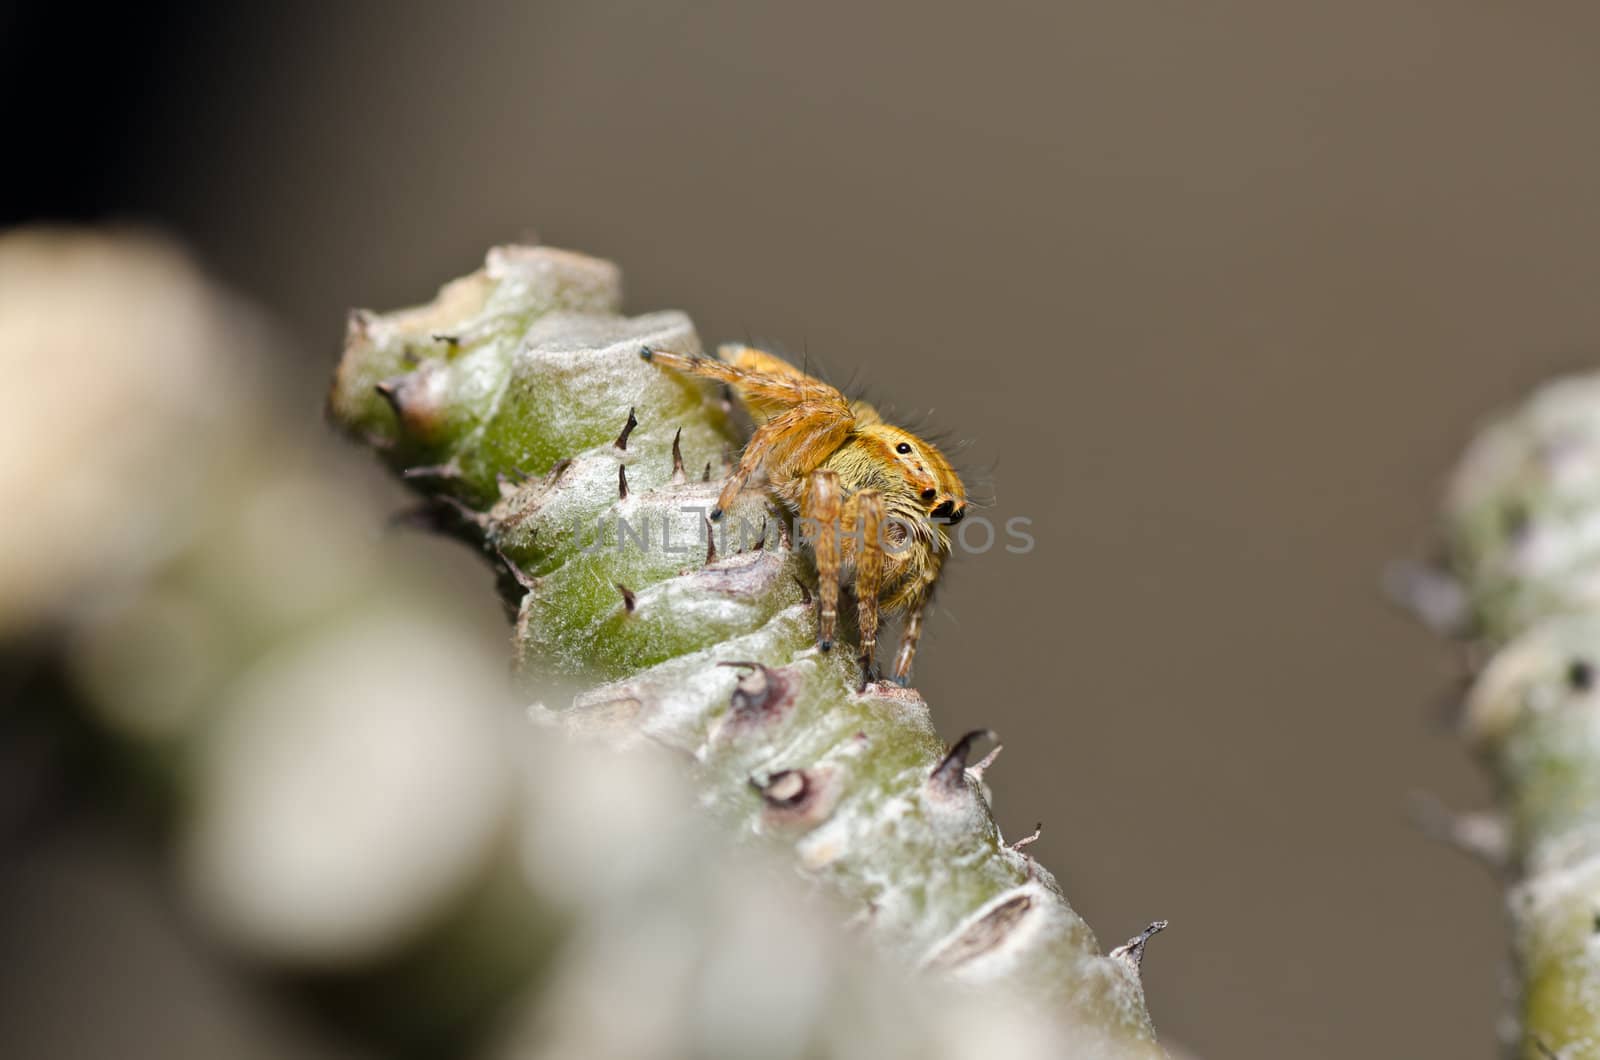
{"points": [[879, 496]]}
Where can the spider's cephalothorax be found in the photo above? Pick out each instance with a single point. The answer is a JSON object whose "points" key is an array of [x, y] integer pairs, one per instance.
{"points": [[874, 498]]}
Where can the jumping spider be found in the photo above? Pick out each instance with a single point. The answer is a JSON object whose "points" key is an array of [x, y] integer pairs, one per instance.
{"points": [[838, 465]]}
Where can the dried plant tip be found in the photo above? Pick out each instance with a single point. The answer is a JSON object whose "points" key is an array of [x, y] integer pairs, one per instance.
{"points": [[627, 429], [447, 471], [527, 581], [1484, 837], [951, 771], [1028, 840], [678, 477], [444, 503], [630, 599], [1131, 952], [785, 790], [976, 772], [622, 481], [1429, 594]]}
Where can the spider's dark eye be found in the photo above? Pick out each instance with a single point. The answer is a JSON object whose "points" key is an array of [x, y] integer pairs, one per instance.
{"points": [[903, 447], [929, 494]]}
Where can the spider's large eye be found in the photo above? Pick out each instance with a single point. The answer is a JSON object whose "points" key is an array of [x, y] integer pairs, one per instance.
{"points": [[903, 447]]}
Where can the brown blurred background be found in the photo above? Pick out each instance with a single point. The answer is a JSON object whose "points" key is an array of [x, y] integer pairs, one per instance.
{"points": [[1215, 292]]}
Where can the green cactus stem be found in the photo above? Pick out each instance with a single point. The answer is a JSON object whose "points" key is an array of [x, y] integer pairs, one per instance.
{"points": [[518, 403]]}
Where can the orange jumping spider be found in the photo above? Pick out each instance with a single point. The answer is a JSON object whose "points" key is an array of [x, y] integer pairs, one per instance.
{"points": [[877, 497]]}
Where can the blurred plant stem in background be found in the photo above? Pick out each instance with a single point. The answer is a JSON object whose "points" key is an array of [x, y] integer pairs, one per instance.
{"points": [[1523, 587], [197, 608]]}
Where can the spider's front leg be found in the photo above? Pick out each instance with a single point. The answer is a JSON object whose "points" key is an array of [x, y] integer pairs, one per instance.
{"points": [[869, 576], [822, 510], [908, 642]]}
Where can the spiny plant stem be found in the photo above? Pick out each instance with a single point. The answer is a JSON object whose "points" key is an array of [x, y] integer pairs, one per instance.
{"points": [[518, 403]]}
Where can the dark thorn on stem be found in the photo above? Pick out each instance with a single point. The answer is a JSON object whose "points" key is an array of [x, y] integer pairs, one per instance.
{"points": [[677, 458], [522, 578], [622, 481], [389, 390], [711, 544], [706, 476], [630, 599], [627, 428], [950, 773], [1132, 951]]}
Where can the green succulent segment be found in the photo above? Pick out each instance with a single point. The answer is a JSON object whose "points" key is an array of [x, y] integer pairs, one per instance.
{"points": [[1522, 526], [510, 396]]}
